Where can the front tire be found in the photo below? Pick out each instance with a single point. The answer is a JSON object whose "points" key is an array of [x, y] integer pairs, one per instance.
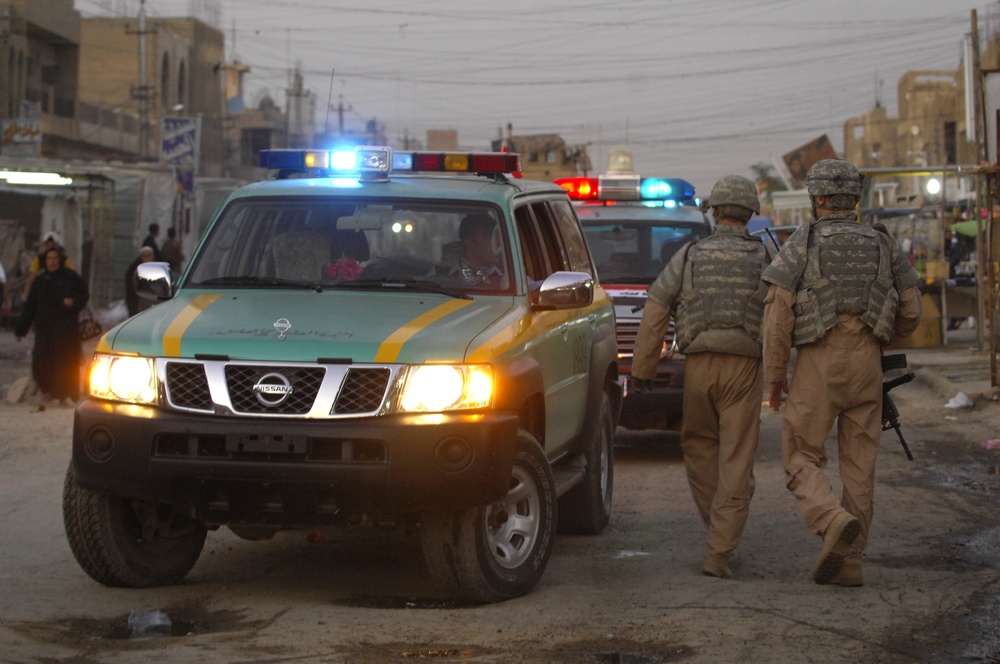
{"points": [[126, 543], [498, 551], [586, 508]]}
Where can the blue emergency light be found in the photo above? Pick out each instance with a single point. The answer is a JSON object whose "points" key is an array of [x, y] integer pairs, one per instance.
{"points": [[374, 162]]}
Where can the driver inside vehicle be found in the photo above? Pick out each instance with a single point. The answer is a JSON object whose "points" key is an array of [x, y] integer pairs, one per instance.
{"points": [[477, 263]]}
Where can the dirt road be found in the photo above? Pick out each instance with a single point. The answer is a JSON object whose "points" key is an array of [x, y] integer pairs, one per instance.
{"points": [[633, 594]]}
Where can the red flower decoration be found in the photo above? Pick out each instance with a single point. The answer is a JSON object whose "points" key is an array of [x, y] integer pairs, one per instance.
{"points": [[347, 269]]}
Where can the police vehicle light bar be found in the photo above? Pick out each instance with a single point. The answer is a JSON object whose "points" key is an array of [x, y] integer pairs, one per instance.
{"points": [[377, 160], [608, 189]]}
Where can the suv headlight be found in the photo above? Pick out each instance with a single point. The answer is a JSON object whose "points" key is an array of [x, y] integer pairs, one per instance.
{"points": [[439, 387], [123, 378]]}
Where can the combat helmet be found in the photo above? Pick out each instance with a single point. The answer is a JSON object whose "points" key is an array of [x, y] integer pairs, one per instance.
{"points": [[735, 190], [830, 177]]}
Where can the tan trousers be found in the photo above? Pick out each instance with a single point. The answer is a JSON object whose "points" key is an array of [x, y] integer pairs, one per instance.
{"points": [[837, 379], [719, 434]]}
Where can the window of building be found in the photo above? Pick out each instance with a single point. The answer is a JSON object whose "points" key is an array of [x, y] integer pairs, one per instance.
{"points": [[182, 84], [165, 88], [252, 141], [950, 143]]}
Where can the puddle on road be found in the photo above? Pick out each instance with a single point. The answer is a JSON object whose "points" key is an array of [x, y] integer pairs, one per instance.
{"points": [[186, 620]]}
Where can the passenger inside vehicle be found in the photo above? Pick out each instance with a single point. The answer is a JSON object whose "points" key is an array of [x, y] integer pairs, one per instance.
{"points": [[474, 257]]}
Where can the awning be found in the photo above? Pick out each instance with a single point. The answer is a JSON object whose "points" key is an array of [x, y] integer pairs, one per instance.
{"points": [[967, 227]]}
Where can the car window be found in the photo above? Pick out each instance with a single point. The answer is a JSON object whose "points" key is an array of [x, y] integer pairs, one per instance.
{"points": [[546, 249], [569, 230], [265, 243], [637, 250]]}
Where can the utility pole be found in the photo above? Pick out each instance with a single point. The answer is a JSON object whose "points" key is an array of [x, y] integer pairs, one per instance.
{"points": [[142, 92], [984, 281]]}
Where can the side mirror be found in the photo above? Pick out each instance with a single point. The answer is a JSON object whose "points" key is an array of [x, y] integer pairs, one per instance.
{"points": [[153, 281], [565, 290]]}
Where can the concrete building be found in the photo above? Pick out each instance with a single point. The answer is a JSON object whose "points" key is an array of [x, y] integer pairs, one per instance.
{"points": [[546, 156], [183, 77], [77, 103], [39, 69], [929, 130]]}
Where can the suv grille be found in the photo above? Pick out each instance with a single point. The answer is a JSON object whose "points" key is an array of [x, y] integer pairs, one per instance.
{"points": [[362, 391], [243, 379], [188, 386], [276, 390], [627, 330]]}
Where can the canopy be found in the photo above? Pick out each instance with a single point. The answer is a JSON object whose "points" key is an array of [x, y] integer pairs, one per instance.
{"points": [[967, 227]]}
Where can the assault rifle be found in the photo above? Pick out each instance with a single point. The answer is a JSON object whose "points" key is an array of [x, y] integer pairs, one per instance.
{"points": [[890, 414]]}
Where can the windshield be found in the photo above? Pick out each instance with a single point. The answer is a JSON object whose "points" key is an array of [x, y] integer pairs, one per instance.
{"points": [[322, 243], [637, 251]]}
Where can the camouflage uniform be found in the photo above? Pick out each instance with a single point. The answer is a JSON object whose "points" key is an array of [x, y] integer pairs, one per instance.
{"points": [[839, 289], [714, 290]]}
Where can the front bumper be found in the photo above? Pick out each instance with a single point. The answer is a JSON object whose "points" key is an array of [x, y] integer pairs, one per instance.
{"points": [[293, 472], [660, 408]]}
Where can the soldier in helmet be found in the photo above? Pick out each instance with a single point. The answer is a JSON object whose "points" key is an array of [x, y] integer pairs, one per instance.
{"points": [[713, 289], [839, 289]]}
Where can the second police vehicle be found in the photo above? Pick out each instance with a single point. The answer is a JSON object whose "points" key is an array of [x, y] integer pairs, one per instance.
{"points": [[634, 225], [412, 340]]}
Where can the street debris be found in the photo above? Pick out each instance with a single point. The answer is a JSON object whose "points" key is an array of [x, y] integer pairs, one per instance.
{"points": [[144, 622], [960, 400]]}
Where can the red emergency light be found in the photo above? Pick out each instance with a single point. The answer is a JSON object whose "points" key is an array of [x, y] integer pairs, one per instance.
{"points": [[579, 189]]}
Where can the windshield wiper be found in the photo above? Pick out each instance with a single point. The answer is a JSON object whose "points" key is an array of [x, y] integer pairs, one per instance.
{"points": [[247, 280], [405, 283]]}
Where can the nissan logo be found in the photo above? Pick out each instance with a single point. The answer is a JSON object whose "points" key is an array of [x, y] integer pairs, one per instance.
{"points": [[272, 389]]}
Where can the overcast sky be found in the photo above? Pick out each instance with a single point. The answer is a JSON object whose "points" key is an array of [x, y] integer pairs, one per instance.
{"points": [[696, 88]]}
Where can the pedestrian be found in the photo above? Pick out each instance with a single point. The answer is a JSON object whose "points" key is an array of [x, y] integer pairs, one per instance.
{"points": [[51, 239], [839, 290], [171, 251], [954, 252], [714, 290], [52, 308], [6, 299], [150, 240], [133, 302]]}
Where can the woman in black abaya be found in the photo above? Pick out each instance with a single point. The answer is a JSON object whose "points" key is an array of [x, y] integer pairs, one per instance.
{"points": [[53, 306]]}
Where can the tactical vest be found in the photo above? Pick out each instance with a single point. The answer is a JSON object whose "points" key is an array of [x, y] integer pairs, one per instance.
{"points": [[722, 288], [848, 270]]}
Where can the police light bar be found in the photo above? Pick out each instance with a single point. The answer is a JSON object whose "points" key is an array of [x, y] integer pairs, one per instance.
{"points": [[369, 161], [458, 162], [608, 189]]}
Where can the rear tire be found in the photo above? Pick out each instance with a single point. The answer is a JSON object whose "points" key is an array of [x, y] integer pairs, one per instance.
{"points": [[126, 543], [586, 508], [498, 551]]}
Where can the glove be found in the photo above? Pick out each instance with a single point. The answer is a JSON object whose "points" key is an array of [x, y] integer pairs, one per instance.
{"points": [[640, 385]]}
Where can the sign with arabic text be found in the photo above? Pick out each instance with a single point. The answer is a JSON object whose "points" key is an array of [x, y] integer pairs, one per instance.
{"points": [[181, 140]]}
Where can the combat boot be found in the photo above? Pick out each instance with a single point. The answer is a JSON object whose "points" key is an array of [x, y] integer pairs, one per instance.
{"points": [[716, 566], [850, 573], [837, 540]]}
